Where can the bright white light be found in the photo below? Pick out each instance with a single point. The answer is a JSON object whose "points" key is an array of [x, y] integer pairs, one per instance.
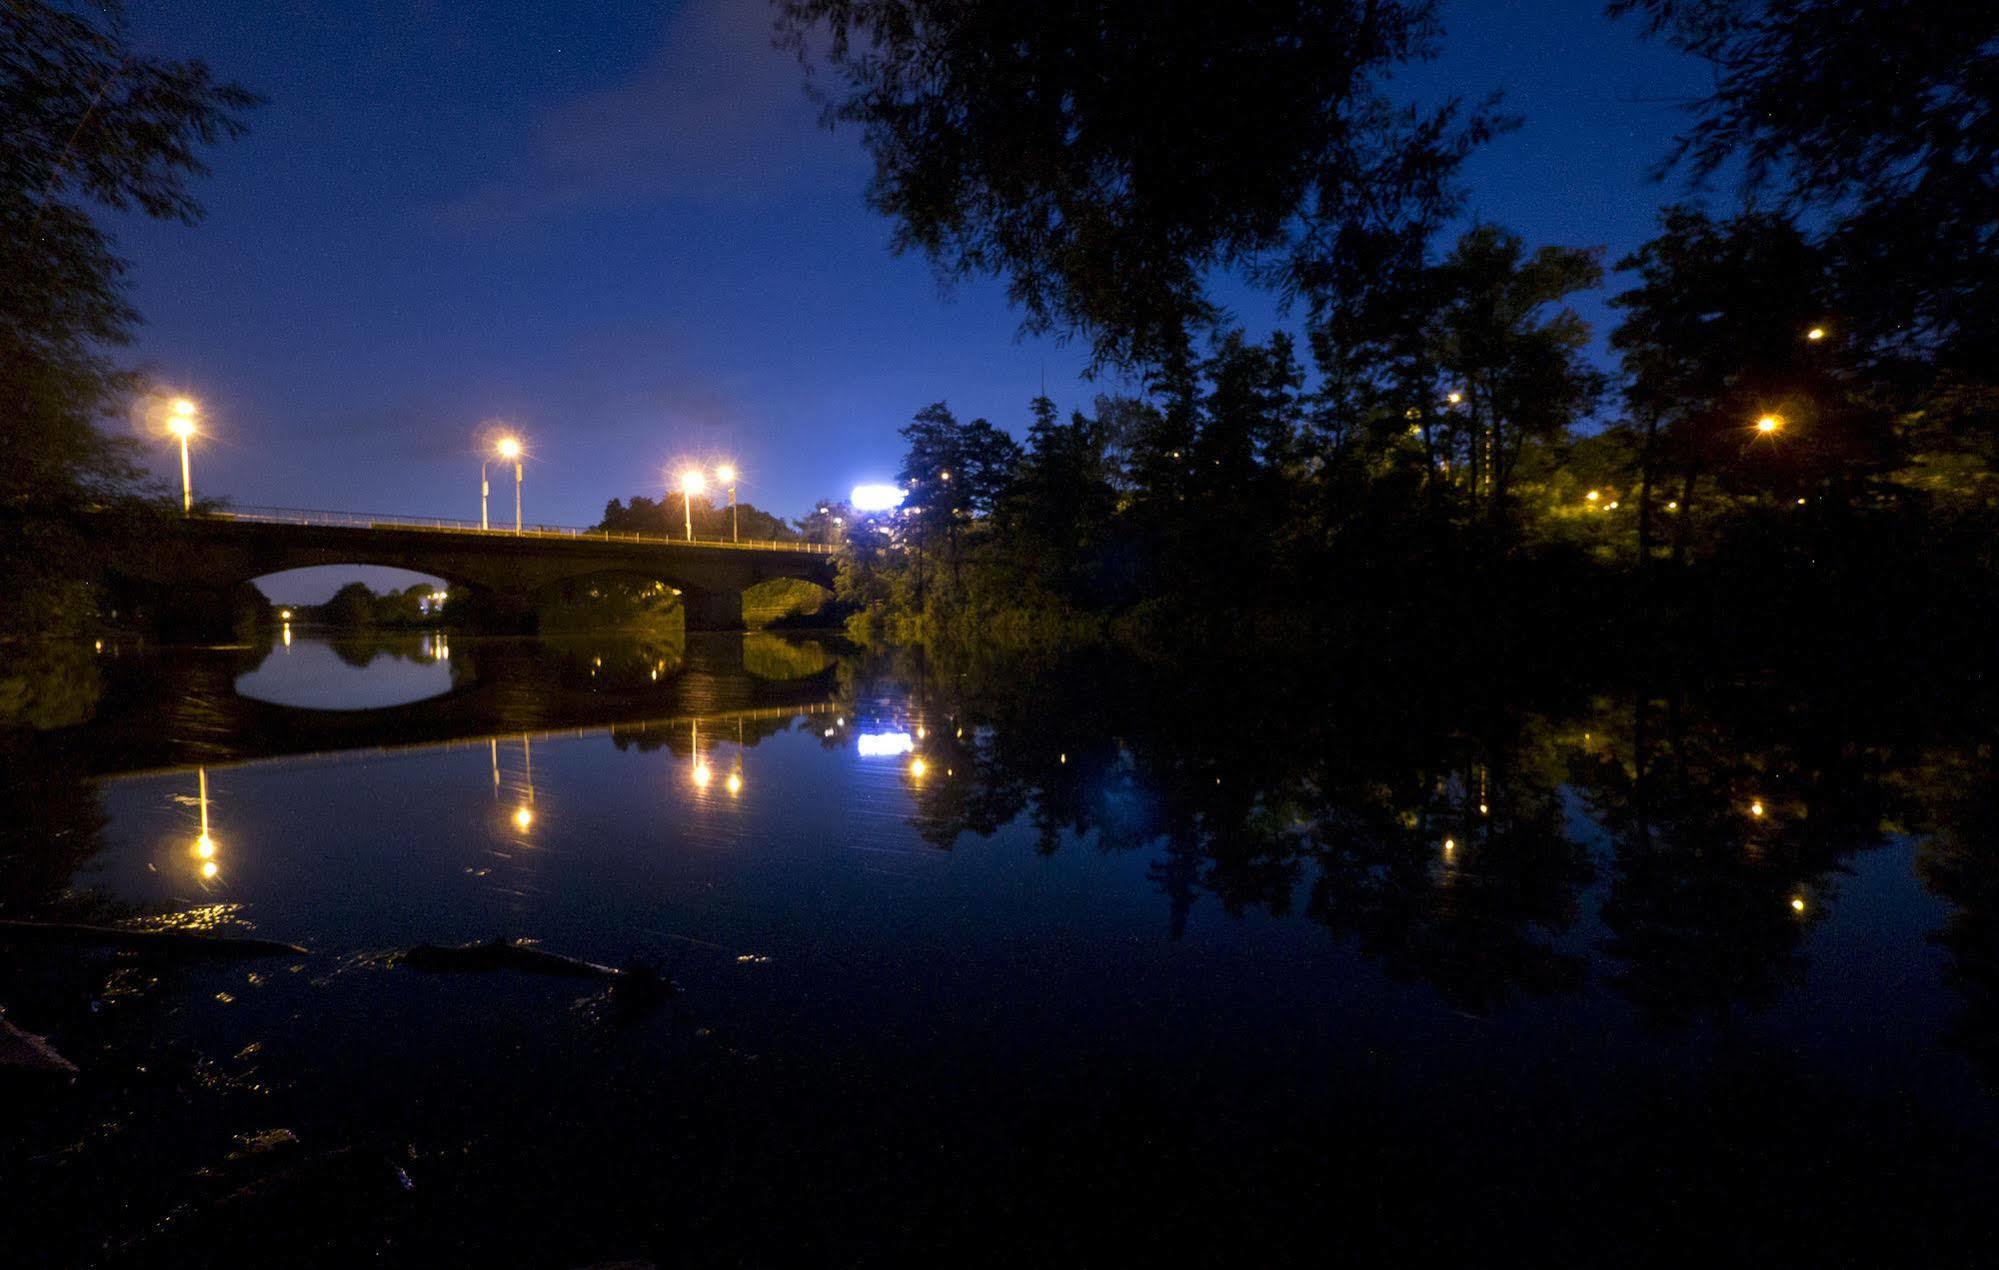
{"points": [[876, 498], [884, 744]]}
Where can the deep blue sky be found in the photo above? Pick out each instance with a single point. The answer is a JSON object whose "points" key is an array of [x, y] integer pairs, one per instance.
{"points": [[619, 226]]}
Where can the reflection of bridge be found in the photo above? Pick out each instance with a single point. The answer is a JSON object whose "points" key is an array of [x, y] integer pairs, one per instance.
{"points": [[184, 569], [178, 707]]}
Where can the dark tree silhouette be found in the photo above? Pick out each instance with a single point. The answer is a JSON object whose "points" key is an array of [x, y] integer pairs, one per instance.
{"points": [[1104, 157]]}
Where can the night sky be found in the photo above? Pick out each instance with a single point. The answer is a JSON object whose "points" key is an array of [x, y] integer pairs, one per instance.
{"points": [[620, 227]]}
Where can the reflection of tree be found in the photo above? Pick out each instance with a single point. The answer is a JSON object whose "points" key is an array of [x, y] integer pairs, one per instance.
{"points": [[1957, 795], [1245, 797], [53, 822], [1441, 835], [676, 737], [48, 684], [770, 657], [1455, 870], [1725, 828]]}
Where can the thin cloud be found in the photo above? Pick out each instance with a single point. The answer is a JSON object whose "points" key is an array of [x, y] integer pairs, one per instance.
{"points": [[717, 115]]}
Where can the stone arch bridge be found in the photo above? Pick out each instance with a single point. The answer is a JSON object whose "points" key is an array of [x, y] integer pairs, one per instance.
{"points": [[182, 572]]}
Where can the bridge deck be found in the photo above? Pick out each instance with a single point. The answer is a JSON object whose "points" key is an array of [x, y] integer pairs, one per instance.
{"points": [[440, 525]]}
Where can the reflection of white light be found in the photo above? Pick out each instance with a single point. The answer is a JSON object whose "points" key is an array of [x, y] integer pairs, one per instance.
{"points": [[880, 744], [876, 498]]}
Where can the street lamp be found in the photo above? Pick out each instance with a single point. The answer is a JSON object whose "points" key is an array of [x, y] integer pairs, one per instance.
{"points": [[182, 426], [1770, 424], [508, 448], [727, 475], [691, 483]]}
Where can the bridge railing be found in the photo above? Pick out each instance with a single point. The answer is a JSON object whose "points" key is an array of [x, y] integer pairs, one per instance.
{"points": [[369, 520]]}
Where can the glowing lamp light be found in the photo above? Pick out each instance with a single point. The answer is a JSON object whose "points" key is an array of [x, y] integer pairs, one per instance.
{"points": [[523, 817], [1454, 398], [692, 482], [208, 870], [509, 447], [883, 744], [726, 474], [1769, 424], [1816, 334], [734, 784], [1450, 845], [1592, 496], [285, 614], [876, 498], [1756, 808], [204, 848], [702, 775], [1797, 903], [917, 767]]}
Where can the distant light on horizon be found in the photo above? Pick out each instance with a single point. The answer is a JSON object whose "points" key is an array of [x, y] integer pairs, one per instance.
{"points": [[876, 498]]}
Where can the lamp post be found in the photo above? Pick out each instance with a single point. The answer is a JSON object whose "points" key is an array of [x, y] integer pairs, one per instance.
{"points": [[727, 475], [182, 426], [691, 483], [508, 448]]}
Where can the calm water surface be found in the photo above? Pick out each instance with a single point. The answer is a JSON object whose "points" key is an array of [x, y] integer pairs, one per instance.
{"points": [[1094, 960]]}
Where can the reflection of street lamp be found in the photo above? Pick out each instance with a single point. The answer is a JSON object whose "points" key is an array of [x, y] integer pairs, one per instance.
{"points": [[691, 483], [204, 846], [182, 426], [727, 475], [701, 773]]}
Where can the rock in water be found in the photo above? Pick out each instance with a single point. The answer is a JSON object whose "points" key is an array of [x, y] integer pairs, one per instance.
{"points": [[25, 1051]]}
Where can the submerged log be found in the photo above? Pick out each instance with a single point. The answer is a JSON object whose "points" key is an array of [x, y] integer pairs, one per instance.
{"points": [[636, 986], [28, 1052], [179, 942], [505, 954]]}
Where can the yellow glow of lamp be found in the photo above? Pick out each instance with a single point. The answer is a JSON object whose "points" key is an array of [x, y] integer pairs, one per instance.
{"points": [[734, 784], [509, 448], [1816, 334], [702, 775], [523, 818], [1770, 424], [917, 767]]}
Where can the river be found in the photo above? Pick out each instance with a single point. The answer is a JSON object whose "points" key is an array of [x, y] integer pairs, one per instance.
{"points": [[1090, 959]]}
